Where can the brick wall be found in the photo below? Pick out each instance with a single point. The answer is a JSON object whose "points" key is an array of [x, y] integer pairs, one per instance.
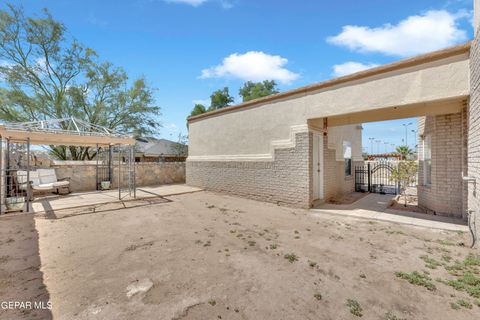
{"points": [[445, 194], [286, 180], [474, 131]]}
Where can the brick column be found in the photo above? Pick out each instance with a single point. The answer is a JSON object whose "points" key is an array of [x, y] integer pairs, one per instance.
{"points": [[474, 125]]}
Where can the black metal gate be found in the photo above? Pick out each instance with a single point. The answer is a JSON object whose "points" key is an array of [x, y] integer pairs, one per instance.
{"points": [[376, 178]]}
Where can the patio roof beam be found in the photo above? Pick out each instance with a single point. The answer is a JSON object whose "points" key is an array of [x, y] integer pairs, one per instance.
{"points": [[45, 138], [398, 112]]}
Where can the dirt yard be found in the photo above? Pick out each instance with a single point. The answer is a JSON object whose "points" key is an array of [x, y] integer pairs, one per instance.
{"points": [[209, 256]]}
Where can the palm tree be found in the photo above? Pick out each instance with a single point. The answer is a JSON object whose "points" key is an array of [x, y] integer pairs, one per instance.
{"points": [[404, 152]]}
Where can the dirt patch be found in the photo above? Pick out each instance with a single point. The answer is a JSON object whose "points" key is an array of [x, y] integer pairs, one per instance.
{"points": [[209, 256], [144, 245], [348, 198], [398, 203], [21, 279]]}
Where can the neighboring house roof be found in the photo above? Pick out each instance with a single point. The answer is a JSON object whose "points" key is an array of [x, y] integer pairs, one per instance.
{"points": [[158, 147], [417, 60]]}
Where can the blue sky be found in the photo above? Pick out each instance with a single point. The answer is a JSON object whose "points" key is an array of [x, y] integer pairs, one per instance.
{"points": [[188, 48]]}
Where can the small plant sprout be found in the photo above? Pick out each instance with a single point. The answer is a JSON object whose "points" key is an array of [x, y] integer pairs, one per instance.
{"points": [[355, 307], [392, 316], [454, 306], [418, 279], [464, 303], [291, 257]]}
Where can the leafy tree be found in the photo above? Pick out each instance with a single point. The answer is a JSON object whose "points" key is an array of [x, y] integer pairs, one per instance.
{"points": [[252, 90], [220, 99], [198, 109], [47, 74], [405, 174], [404, 151]]}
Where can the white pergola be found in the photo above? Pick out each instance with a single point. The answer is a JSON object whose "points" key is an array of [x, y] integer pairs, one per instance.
{"points": [[65, 132]]}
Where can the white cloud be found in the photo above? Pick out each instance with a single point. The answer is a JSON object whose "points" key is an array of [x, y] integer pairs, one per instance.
{"points": [[253, 66], [194, 3], [41, 62], [351, 67], [417, 34]]}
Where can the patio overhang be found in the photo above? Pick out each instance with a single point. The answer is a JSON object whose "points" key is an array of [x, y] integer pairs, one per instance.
{"points": [[42, 138], [431, 108], [65, 132]]}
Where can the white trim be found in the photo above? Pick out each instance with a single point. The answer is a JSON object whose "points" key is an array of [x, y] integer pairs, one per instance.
{"points": [[275, 144], [234, 157]]}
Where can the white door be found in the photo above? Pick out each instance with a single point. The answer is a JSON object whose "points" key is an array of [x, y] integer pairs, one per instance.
{"points": [[317, 170]]}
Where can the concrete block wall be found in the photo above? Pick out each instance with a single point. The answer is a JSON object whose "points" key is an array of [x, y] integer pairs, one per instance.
{"points": [[285, 180], [445, 194], [83, 177]]}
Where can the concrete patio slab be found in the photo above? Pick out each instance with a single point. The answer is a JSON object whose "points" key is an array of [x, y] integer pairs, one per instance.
{"points": [[375, 206], [83, 199]]}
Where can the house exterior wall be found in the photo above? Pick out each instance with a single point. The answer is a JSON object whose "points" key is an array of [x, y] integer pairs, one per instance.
{"points": [[474, 125], [260, 151], [285, 180], [250, 132], [444, 195]]}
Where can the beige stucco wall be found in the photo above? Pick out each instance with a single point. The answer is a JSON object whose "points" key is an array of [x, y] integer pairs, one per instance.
{"points": [[352, 134], [250, 132], [335, 181]]}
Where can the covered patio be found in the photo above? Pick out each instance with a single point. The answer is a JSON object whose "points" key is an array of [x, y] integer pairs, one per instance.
{"points": [[24, 184]]}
